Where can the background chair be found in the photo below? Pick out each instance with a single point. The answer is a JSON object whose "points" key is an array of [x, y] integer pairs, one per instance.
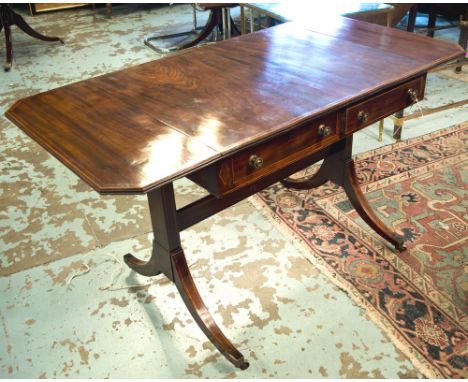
{"points": [[219, 18]]}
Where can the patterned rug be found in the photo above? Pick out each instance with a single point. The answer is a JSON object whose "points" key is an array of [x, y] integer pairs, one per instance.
{"points": [[419, 297]]}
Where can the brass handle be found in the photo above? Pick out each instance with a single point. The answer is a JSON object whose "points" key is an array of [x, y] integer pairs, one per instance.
{"points": [[324, 130], [363, 116], [255, 161], [413, 95]]}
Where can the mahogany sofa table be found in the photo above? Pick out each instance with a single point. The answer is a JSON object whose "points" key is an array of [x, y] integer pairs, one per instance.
{"points": [[234, 117]]}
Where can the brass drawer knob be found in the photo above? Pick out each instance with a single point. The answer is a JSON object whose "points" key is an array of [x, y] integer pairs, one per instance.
{"points": [[255, 161], [324, 130], [413, 95], [363, 116]]}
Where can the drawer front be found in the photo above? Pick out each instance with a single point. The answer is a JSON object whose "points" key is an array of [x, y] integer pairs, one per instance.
{"points": [[382, 105], [278, 152]]}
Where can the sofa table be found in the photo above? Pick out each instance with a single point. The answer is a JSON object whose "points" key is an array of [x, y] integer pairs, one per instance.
{"points": [[234, 117]]}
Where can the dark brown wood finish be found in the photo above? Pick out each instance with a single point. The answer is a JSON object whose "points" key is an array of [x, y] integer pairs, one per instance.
{"points": [[238, 170], [392, 40], [131, 154], [234, 117], [375, 108], [210, 205], [215, 100], [339, 168], [168, 257]]}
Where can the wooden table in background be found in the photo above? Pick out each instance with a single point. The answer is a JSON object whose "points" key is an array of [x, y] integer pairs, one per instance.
{"points": [[234, 117]]}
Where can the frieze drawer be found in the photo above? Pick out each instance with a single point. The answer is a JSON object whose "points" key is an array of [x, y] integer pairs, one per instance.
{"points": [[375, 108], [244, 167]]}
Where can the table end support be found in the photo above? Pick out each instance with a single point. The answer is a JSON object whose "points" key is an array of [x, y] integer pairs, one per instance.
{"points": [[139, 266], [168, 257], [182, 278], [313, 181], [339, 168], [362, 207], [200, 313]]}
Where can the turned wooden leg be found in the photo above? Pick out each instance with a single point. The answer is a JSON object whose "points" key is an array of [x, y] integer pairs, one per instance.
{"points": [[359, 202], [8, 18], [168, 257]]}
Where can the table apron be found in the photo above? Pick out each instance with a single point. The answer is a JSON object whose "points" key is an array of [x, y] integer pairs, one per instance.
{"points": [[210, 205]]}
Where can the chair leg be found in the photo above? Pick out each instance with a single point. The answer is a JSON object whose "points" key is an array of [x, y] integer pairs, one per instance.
{"points": [[252, 20], [432, 21], [9, 48], [412, 18], [398, 125], [234, 27], [381, 127], [463, 37]]}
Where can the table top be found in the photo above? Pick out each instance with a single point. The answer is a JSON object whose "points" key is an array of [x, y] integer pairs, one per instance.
{"points": [[308, 12], [135, 129]]}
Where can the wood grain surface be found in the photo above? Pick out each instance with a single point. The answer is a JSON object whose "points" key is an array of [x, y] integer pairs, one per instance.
{"points": [[133, 130]]}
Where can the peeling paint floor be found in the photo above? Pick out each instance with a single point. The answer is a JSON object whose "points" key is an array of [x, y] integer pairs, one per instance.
{"points": [[287, 318]]}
